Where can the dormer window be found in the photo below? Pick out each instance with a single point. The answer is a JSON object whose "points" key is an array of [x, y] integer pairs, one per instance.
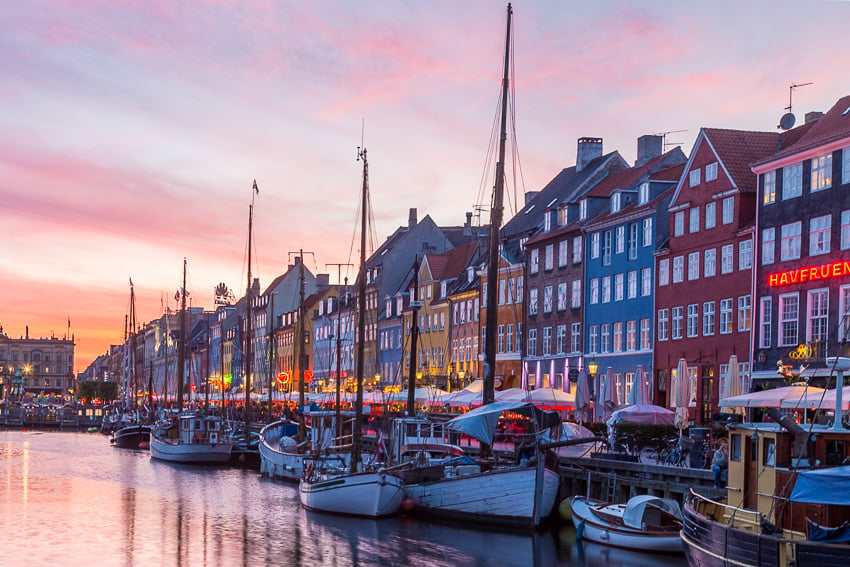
{"points": [[547, 221], [389, 307], [582, 209], [711, 171], [443, 288], [615, 202], [563, 217], [643, 193]]}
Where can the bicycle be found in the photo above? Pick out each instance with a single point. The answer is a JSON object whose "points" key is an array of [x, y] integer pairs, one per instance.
{"points": [[672, 452]]}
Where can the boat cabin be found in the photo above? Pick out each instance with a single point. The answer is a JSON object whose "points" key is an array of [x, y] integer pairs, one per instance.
{"points": [[195, 429]]}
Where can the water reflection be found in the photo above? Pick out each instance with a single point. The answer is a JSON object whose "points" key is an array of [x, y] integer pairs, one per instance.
{"points": [[73, 499]]}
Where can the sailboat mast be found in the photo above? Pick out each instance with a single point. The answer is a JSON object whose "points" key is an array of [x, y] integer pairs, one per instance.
{"points": [[131, 336], [248, 328], [495, 228], [361, 318], [302, 427], [414, 341], [181, 354]]}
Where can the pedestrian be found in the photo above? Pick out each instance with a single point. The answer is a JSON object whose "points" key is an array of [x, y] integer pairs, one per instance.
{"points": [[719, 463]]}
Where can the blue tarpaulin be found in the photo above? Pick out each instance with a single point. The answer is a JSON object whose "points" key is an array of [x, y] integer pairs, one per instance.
{"points": [[823, 486], [832, 535]]}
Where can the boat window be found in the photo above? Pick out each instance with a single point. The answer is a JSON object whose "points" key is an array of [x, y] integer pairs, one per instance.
{"points": [[735, 449], [769, 451], [835, 452], [199, 425]]}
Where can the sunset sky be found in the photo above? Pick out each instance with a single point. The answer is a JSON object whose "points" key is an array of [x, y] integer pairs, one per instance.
{"points": [[131, 132]]}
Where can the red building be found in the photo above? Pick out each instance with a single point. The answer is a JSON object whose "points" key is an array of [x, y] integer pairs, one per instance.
{"points": [[703, 305]]}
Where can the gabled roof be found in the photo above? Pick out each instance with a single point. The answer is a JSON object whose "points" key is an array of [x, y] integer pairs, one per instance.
{"points": [[668, 175]]}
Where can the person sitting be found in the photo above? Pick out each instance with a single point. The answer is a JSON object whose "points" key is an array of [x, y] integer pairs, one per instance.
{"points": [[719, 463]]}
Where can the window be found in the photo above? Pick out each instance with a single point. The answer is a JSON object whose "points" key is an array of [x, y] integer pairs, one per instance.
{"points": [[845, 229], [710, 268], [593, 338], [726, 258], [547, 341], [647, 232], [532, 301], [550, 257], [769, 188], [768, 245], [664, 272], [633, 241], [745, 312], [615, 202], [818, 307], [577, 250], [819, 231], [606, 289], [711, 172], [643, 193], [518, 336], [531, 346], [547, 221], [708, 318], [563, 215], [728, 210], [605, 345], [519, 290], [563, 253], [618, 287], [621, 239], [511, 290], [789, 306], [745, 255], [501, 342], [693, 224], [501, 292], [594, 291], [845, 165], [562, 296], [618, 337], [594, 245], [645, 334], [693, 320], [710, 215], [789, 244], [582, 209], [766, 322], [547, 299], [575, 337], [726, 316], [534, 261], [678, 269], [693, 266], [561, 339], [694, 177], [679, 223], [631, 335], [576, 302], [843, 312], [632, 290], [676, 331], [509, 338], [821, 172], [792, 181], [646, 281], [662, 324], [606, 248]]}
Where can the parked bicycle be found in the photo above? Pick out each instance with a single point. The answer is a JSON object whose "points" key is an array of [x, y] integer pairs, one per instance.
{"points": [[672, 451]]}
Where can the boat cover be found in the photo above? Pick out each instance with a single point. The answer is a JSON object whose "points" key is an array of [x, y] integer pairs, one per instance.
{"points": [[823, 486], [635, 508], [644, 413], [831, 535], [480, 423]]}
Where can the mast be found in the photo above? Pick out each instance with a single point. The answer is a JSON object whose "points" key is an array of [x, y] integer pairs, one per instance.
{"points": [[495, 228], [361, 318], [338, 358], [247, 415], [181, 354], [272, 368], [414, 339], [131, 337], [299, 328]]}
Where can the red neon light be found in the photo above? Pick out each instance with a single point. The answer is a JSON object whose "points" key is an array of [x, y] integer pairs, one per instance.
{"points": [[809, 273]]}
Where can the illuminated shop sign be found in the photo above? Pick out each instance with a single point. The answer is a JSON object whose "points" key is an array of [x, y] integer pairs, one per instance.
{"points": [[809, 274]]}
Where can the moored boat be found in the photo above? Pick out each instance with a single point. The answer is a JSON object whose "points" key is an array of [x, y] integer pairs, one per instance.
{"points": [[370, 494], [644, 523], [191, 438]]}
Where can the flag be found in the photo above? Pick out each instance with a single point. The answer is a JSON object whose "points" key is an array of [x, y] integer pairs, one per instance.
{"points": [[69, 321], [256, 190]]}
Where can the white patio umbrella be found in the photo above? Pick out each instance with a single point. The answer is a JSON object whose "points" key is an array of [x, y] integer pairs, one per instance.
{"points": [[639, 394], [785, 396], [582, 396], [551, 398], [609, 394], [682, 394], [732, 386], [821, 400]]}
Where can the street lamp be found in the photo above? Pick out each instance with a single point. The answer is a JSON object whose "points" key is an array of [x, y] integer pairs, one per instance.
{"points": [[592, 367]]}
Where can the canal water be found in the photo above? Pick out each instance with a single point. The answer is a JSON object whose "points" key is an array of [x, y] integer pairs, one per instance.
{"points": [[72, 499]]}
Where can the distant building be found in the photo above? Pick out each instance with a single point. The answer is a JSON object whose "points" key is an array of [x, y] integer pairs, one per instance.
{"points": [[33, 367]]}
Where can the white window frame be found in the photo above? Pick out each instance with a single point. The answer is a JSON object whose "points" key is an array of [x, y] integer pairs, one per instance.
{"points": [[745, 312], [619, 281], [576, 298], [790, 241], [708, 318], [621, 240], [606, 289], [694, 177], [843, 311], [768, 245], [817, 315], [662, 324], [711, 172], [725, 316], [647, 232], [710, 263], [693, 320], [679, 223], [645, 334], [534, 261], [632, 290], [820, 231], [676, 322], [728, 210], [577, 252], [693, 266], [549, 260], [605, 338], [766, 321], [645, 282], [710, 215], [594, 246], [769, 191], [727, 258], [594, 291], [562, 296], [563, 253], [745, 255], [792, 181], [789, 319], [678, 269], [664, 272], [693, 221], [821, 172]]}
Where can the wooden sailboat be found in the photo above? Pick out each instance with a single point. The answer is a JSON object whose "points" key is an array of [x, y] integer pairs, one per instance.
{"points": [[518, 493], [192, 437], [360, 491]]}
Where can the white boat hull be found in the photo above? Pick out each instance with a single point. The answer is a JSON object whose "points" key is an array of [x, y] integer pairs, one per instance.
{"points": [[503, 496], [369, 494], [200, 453], [591, 528], [287, 466]]}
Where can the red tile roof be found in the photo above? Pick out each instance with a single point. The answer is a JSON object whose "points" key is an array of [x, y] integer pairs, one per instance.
{"points": [[737, 149]]}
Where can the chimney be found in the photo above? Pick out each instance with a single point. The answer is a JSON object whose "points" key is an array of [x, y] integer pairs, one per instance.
{"points": [[411, 219], [467, 227], [323, 281], [588, 149], [812, 116], [529, 196], [648, 147]]}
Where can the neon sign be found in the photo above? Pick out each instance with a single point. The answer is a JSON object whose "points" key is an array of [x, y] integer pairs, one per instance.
{"points": [[809, 274]]}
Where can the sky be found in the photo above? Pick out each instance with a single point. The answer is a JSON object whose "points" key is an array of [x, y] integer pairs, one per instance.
{"points": [[131, 132]]}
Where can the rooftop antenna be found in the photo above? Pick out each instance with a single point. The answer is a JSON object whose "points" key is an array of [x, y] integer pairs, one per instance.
{"points": [[664, 143], [788, 120]]}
